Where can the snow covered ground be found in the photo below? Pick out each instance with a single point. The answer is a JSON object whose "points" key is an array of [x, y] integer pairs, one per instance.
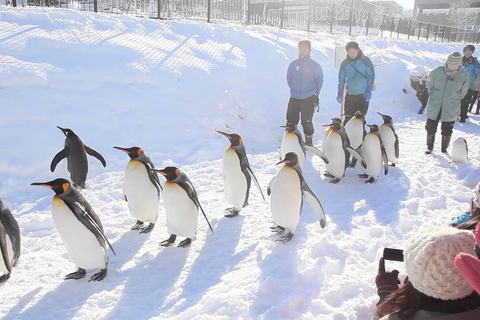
{"points": [[166, 86]]}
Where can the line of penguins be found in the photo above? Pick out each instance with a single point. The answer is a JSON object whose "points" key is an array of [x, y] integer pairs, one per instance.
{"points": [[81, 229]]}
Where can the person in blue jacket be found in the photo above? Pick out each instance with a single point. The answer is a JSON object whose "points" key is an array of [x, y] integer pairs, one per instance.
{"points": [[472, 65], [357, 72], [305, 80]]}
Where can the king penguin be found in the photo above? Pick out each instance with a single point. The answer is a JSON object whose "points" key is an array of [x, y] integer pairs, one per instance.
{"points": [[292, 142], [237, 175], [355, 129], [337, 151], [389, 139], [9, 241], [80, 229], [141, 188], [374, 154], [327, 131], [181, 207], [460, 151], [286, 191], [76, 153]]}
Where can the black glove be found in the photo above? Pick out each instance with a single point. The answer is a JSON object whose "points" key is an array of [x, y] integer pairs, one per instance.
{"points": [[316, 102], [387, 282]]}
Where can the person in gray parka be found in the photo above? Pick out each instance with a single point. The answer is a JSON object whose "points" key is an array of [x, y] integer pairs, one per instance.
{"points": [[447, 85]]}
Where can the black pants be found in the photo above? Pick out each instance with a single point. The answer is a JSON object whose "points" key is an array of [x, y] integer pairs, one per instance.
{"points": [[354, 103], [464, 104], [447, 127], [474, 97], [305, 107]]}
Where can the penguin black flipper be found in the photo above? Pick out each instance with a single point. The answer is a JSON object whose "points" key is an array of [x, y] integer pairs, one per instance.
{"points": [[384, 154], [96, 154], [12, 229], [59, 157], [187, 185], [252, 176], [313, 200], [357, 156], [89, 219], [397, 147], [3, 247], [153, 176], [317, 152], [269, 187]]}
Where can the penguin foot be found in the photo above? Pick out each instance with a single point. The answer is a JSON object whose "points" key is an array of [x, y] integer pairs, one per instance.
{"points": [[233, 213], [428, 152], [371, 180], [137, 226], [99, 276], [5, 277], [169, 241], [79, 274], [328, 175], [393, 165], [185, 243], [286, 237], [363, 176], [277, 229], [336, 180], [148, 228]]}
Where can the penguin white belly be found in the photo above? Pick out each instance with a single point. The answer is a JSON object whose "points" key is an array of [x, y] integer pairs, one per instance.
{"points": [[82, 245], [3, 267], [142, 196], [354, 129], [286, 199], [459, 151], [336, 155], [324, 138], [372, 154], [290, 143], [388, 139], [181, 212], [235, 182]]}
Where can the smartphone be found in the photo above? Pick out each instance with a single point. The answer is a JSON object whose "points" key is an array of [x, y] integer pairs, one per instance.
{"points": [[393, 254]]}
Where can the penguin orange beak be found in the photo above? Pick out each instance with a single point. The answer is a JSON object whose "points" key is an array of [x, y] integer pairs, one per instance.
{"points": [[163, 173], [382, 115], [283, 161], [122, 149], [225, 134], [64, 130], [43, 184]]}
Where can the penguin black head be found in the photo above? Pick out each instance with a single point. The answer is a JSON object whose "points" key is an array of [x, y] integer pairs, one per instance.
{"points": [[290, 159], [59, 186], [235, 139], [373, 127], [133, 152], [334, 126], [170, 173], [358, 115], [290, 127], [386, 118], [336, 120], [67, 132]]}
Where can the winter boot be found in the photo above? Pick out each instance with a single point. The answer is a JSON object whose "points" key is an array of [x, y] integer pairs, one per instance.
{"points": [[445, 143], [430, 142], [422, 108], [308, 140]]}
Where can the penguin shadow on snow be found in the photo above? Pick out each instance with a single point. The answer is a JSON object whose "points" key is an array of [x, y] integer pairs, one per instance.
{"points": [[211, 263], [13, 313], [152, 279]]}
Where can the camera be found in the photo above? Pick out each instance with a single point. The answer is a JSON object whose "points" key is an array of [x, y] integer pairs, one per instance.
{"points": [[393, 254]]}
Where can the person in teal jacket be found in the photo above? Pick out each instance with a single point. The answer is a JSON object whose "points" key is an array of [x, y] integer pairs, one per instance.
{"points": [[447, 85], [357, 72], [472, 66], [305, 80]]}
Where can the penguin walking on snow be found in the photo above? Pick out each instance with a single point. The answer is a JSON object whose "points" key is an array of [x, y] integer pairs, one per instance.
{"points": [[292, 142], [80, 229], [76, 153], [9, 241], [460, 151], [286, 191], [374, 154], [389, 139], [355, 129], [141, 188], [181, 207], [237, 175], [338, 151], [327, 131]]}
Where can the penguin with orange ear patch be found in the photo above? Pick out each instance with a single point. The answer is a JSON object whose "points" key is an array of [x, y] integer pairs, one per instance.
{"points": [[181, 207], [80, 229], [141, 188]]}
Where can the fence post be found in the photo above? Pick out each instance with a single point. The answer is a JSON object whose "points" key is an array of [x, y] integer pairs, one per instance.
{"points": [[95, 5], [436, 33], [409, 29], [398, 27], [14, 3], [419, 30], [381, 28], [309, 15], [428, 31], [368, 22], [248, 13], [209, 10], [281, 17], [352, 16], [331, 20]]}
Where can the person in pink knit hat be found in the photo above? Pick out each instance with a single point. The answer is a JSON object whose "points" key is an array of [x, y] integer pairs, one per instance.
{"points": [[469, 265], [435, 288]]}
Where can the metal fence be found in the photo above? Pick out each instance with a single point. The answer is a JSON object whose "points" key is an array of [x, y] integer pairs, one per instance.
{"points": [[307, 15]]}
